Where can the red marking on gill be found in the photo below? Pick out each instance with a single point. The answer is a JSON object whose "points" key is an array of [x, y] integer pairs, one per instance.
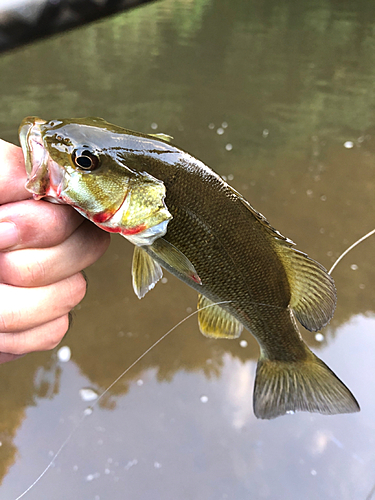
{"points": [[102, 217], [134, 230], [110, 229]]}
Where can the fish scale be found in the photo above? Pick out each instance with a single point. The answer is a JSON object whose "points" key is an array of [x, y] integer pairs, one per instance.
{"points": [[240, 258], [182, 216]]}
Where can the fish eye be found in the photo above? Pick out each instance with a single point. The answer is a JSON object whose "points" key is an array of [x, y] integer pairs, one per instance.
{"points": [[85, 160]]}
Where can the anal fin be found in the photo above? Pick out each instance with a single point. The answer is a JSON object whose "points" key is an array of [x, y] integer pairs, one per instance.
{"points": [[146, 272], [215, 322]]}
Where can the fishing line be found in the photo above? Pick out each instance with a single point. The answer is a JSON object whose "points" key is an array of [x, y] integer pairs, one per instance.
{"points": [[351, 248], [87, 411], [370, 233]]}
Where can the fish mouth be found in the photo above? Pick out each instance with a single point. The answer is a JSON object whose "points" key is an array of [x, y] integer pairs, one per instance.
{"points": [[32, 143], [37, 159]]}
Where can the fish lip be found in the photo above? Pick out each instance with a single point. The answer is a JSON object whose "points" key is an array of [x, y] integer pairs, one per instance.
{"points": [[30, 135], [36, 156]]}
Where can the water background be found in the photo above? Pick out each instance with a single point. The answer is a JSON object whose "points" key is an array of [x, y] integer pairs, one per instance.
{"points": [[278, 97]]}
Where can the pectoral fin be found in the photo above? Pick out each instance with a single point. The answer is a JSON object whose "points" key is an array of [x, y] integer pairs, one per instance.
{"points": [[216, 322], [145, 272], [172, 256]]}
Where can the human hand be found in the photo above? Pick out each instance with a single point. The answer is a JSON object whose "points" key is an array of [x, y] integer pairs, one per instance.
{"points": [[43, 248]]}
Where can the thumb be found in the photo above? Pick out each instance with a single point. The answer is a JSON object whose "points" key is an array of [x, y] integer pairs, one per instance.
{"points": [[12, 174]]}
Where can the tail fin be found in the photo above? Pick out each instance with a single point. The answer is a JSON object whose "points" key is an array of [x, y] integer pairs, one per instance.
{"points": [[306, 385]]}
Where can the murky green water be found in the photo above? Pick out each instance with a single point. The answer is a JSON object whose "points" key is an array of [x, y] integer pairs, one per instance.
{"points": [[279, 97]]}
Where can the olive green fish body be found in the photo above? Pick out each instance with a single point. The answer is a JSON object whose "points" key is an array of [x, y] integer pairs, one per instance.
{"points": [[232, 249], [229, 249], [183, 216]]}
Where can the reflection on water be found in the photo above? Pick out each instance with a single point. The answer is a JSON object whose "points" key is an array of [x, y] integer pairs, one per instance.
{"points": [[162, 435], [278, 97]]}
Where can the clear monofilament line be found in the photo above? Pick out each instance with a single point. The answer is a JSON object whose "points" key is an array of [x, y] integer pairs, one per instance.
{"points": [[108, 389], [351, 248]]}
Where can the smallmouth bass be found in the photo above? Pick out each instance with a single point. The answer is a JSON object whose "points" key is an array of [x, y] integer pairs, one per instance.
{"points": [[182, 216]]}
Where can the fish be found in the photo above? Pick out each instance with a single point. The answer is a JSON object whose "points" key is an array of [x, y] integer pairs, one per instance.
{"points": [[183, 217]]}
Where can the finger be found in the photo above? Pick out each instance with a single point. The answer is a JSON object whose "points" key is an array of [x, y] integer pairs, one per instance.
{"points": [[12, 174], [36, 224], [33, 267], [25, 308], [40, 338], [5, 357]]}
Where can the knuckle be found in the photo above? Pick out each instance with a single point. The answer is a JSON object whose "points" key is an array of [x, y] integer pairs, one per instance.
{"points": [[20, 270], [56, 333], [9, 319], [13, 343], [77, 290], [34, 274], [16, 346]]}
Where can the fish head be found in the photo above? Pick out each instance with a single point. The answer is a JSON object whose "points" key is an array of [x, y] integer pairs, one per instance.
{"points": [[83, 163]]}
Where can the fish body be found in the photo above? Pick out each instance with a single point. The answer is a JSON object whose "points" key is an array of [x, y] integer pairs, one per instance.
{"points": [[184, 217]]}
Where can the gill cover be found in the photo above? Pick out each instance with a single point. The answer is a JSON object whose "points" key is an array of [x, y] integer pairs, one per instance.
{"points": [[79, 162]]}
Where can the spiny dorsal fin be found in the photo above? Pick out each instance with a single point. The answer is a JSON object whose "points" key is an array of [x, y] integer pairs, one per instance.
{"points": [[313, 292], [306, 385], [216, 322], [175, 259], [260, 217], [145, 272], [164, 137]]}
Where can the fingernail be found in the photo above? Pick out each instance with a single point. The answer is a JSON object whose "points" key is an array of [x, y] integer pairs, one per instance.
{"points": [[9, 236]]}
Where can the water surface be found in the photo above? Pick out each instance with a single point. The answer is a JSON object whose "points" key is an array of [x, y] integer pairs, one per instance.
{"points": [[279, 98]]}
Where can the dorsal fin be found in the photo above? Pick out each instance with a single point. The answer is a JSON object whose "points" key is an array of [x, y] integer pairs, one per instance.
{"points": [[145, 272], [313, 292], [164, 137], [260, 217], [216, 322]]}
